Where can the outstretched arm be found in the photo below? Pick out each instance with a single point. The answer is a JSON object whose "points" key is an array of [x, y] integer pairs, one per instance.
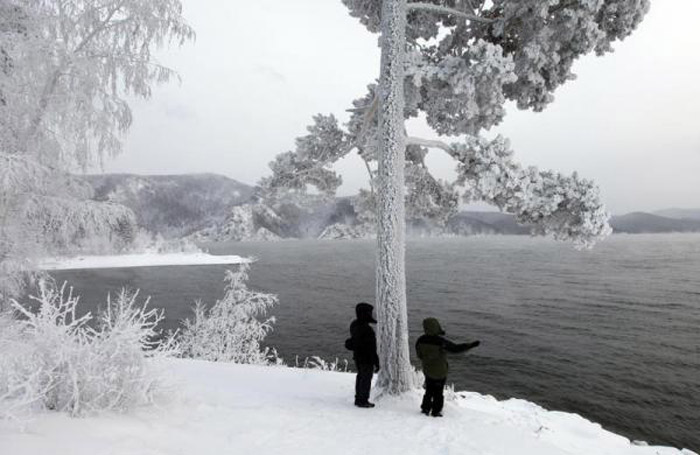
{"points": [[457, 348]]}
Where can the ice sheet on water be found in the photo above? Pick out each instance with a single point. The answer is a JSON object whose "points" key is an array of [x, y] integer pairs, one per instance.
{"points": [[138, 260]]}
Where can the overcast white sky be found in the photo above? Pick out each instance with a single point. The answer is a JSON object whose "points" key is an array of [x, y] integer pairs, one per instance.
{"points": [[259, 70]]}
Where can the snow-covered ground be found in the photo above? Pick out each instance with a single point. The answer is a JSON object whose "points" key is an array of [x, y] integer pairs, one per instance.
{"points": [[237, 409], [138, 260]]}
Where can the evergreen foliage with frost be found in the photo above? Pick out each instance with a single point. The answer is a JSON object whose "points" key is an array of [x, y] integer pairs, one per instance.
{"points": [[67, 68], [244, 222], [233, 329], [465, 59], [53, 358]]}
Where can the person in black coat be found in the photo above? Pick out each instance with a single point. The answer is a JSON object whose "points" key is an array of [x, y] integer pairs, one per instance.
{"points": [[363, 344]]}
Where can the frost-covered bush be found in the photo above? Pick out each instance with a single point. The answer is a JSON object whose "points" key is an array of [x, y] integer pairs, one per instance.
{"points": [[20, 386], [318, 363], [233, 329], [51, 358]]}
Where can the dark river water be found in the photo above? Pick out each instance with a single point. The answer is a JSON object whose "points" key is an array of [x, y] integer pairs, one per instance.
{"points": [[612, 334]]}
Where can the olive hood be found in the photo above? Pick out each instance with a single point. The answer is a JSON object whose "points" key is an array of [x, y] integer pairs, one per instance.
{"points": [[431, 326]]}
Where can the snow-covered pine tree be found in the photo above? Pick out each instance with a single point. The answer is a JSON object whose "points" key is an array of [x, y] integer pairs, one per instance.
{"points": [[66, 70], [457, 62]]}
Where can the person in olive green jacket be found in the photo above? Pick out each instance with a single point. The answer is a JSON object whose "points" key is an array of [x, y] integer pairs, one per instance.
{"points": [[432, 351]]}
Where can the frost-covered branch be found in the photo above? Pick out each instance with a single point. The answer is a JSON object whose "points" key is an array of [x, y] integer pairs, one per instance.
{"points": [[370, 173], [369, 118], [63, 222], [310, 163], [440, 9], [566, 207], [430, 143]]}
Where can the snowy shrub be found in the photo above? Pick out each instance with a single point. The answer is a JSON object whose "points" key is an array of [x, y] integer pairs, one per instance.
{"points": [[51, 358], [416, 378], [20, 387], [318, 363], [450, 393], [233, 329]]}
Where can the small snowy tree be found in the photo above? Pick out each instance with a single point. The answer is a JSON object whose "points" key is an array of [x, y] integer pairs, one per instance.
{"points": [[66, 70], [233, 329], [457, 62]]}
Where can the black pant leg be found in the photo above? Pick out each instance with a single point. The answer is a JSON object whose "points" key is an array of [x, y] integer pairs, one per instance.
{"points": [[427, 403], [430, 394], [438, 395], [363, 382]]}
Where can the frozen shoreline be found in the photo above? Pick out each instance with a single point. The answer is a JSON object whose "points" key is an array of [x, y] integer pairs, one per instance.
{"points": [[225, 408], [138, 260]]}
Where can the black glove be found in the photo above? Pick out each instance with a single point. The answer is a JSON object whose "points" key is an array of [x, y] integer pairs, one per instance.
{"points": [[376, 368]]}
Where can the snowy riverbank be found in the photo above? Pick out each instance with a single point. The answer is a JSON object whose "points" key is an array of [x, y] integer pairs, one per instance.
{"points": [[138, 260], [226, 408]]}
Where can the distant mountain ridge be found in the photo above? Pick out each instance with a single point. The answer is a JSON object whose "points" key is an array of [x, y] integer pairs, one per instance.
{"points": [[173, 205], [641, 222], [631, 223], [217, 208], [489, 222], [680, 214]]}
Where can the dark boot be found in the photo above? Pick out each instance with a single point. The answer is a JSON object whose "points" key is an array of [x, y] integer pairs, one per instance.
{"points": [[365, 404]]}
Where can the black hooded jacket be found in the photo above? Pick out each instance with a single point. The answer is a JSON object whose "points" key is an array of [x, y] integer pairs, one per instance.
{"points": [[364, 341]]}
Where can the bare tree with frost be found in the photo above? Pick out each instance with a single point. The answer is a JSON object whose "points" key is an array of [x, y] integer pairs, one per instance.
{"points": [[66, 70], [457, 63]]}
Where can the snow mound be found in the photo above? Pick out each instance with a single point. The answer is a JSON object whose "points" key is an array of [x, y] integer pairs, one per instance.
{"points": [[137, 260], [226, 408]]}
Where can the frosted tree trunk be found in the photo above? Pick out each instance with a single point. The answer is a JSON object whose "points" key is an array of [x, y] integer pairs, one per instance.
{"points": [[396, 373]]}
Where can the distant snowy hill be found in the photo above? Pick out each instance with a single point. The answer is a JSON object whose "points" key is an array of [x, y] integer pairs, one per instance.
{"points": [[640, 222], [631, 223], [681, 214], [256, 221], [209, 207], [467, 223], [173, 205]]}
